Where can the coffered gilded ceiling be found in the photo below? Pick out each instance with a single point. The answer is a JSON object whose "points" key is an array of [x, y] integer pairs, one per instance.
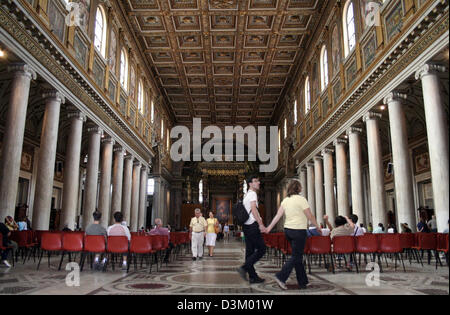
{"points": [[226, 61]]}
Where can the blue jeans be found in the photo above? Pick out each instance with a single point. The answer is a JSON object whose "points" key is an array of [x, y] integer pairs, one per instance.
{"points": [[254, 248], [297, 238]]}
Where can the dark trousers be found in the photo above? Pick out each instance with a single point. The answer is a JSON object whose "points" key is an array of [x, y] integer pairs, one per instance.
{"points": [[297, 238], [254, 248]]}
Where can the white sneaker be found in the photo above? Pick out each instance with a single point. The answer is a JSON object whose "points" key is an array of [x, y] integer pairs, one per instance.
{"points": [[280, 283], [124, 266], [6, 263]]}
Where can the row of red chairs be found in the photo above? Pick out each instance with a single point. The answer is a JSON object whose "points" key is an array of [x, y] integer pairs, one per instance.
{"points": [[375, 244]]}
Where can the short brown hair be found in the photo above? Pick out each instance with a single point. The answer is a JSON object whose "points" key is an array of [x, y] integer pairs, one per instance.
{"points": [[294, 188]]}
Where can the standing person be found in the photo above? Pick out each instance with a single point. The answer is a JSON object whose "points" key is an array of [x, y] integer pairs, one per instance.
{"points": [[211, 235], [197, 229], [118, 229], [298, 212], [252, 228], [432, 224], [96, 229], [226, 232]]}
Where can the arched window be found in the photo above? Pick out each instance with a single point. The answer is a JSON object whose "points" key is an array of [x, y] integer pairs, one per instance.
{"points": [[162, 129], [349, 27], [140, 97], [200, 191], [100, 31], [285, 128], [168, 140], [152, 113], [124, 69], [307, 96], [324, 67], [295, 112]]}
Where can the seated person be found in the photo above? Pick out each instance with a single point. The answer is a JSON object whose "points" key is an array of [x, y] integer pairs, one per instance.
{"points": [[344, 226], [4, 230], [160, 230], [96, 229], [11, 224], [358, 230], [312, 231], [118, 229], [22, 224]]}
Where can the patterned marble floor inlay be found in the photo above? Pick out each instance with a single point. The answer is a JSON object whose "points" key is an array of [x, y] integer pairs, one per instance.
{"points": [[217, 276]]}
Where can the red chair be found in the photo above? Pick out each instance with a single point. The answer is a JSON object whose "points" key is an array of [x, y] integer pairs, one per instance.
{"points": [[116, 245], [50, 242], [391, 244], [407, 242], [428, 242], [157, 245], [140, 245], [442, 246], [319, 245], [72, 242], [21, 238], [345, 245], [367, 244], [93, 244]]}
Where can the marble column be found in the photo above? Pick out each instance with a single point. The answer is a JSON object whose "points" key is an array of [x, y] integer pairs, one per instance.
{"points": [[13, 137], [91, 183], [303, 181], [404, 190], [354, 143], [143, 198], [328, 170], [311, 188], [156, 199], [117, 181], [320, 201], [342, 177], [127, 184], [72, 170], [134, 217], [376, 172], [437, 132], [46, 161], [105, 180]]}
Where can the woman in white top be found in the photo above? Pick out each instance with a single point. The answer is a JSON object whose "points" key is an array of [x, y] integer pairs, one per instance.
{"points": [[298, 212]]}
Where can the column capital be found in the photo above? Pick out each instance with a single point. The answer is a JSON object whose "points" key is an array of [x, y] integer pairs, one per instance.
{"points": [[327, 151], [427, 69], [137, 164], [339, 141], [371, 115], [353, 130], [129, 157], [119, 148], [318, 157], [394, 96], [108, 140], [310, 164], [22, 69], [95, 129], [53, 95], [77, 114]]}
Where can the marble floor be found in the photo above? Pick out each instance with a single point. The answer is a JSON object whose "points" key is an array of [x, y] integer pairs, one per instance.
{"points": [[217, 276]]}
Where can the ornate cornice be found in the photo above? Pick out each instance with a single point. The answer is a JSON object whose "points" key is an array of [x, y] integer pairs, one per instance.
{"points": [[26, 34], [419, 38]]}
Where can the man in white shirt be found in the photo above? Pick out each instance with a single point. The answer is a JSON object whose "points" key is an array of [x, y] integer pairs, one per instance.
{"points": [[118, 229], [252, 228], [197, 228]]}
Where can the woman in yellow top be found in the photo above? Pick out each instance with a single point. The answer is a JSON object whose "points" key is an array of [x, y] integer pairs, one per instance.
{"points": [[211, 233], [298, 213]]}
